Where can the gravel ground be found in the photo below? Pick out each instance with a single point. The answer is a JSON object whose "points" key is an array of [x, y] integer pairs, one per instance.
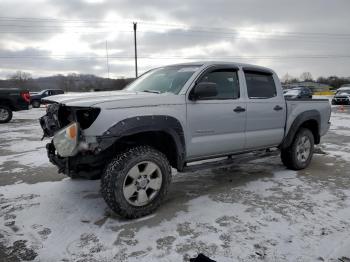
{"points": [[250, 212]]}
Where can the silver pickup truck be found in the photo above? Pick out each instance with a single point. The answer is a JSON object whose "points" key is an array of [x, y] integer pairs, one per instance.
{"points": [[171, 117]]}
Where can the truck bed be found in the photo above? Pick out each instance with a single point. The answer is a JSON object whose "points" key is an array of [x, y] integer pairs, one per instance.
{"points": [[297, 106]]}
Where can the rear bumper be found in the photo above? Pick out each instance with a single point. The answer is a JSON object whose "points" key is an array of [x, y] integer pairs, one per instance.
{"points": [[87, 165], [20, 106]]}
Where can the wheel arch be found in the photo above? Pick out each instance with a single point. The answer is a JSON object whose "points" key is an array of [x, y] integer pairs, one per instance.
{"points": [[164, 133], [32, 100], [309, 119]]}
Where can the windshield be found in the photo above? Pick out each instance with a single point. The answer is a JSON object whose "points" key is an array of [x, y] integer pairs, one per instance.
{"points": [[343, 92], [293, 92], [168, 79]]}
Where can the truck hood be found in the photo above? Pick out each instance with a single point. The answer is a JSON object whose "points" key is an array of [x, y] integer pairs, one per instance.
{"points": [[105, 98]]}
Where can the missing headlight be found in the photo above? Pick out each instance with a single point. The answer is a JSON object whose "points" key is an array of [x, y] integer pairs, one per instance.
{"points": [[87, 116]]}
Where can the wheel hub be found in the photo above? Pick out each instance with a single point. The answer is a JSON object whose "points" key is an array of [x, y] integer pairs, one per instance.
{"points": [[303, 149], [3, 114], [142, 183]]}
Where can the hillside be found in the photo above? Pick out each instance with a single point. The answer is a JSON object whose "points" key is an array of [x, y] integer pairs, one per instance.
{"points": [[72, 82]]}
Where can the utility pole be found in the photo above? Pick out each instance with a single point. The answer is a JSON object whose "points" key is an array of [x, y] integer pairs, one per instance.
{"points": [[107, 59], [135, 27]]}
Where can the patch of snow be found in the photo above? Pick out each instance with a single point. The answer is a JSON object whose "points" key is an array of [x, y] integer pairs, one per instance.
{"points": [[282, 228], [33, 114], [21, 138], [34, 158], [339, 151]]}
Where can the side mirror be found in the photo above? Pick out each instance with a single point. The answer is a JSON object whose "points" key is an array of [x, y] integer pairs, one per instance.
{"points": [[204, 90]]}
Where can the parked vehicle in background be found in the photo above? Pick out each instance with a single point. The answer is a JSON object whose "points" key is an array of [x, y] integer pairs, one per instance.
{"points": [[342, 96], [12, 99], [298, 92], [174, 116], [36, 97]]}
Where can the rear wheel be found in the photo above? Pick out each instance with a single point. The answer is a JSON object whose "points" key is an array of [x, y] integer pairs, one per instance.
{"points": [[36, 104], [5, 114], [136, 181], [299, 154]]}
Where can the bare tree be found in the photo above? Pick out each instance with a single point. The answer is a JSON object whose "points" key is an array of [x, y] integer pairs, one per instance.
{"points": [[289, 79], [306, 76], [20, 77], [286, 78]]}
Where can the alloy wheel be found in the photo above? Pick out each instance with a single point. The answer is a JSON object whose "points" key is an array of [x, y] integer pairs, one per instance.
{"points": [[142, 183], [303, 148], [4, 114]]}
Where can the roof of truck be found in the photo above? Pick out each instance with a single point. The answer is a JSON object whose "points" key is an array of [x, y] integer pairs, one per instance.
{"points": [[208, 63]]}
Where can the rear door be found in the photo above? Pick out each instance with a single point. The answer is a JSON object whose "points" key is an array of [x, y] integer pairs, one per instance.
{"points": [[266, 109], [216, 125]]}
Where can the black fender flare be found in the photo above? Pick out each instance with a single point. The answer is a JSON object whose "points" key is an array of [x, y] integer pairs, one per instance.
{"points": [[150, 123], [298, 121]]}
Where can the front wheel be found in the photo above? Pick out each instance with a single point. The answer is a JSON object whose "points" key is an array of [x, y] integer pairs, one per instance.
{"points": [[136, 181], [5, 114], [299, 154], [36, 104]]}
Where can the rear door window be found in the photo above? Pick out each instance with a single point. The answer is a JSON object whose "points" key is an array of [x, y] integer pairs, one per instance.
{"points": [[260, 85]]}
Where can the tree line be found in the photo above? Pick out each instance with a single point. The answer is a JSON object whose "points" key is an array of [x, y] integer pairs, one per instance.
{"points": [[333, 81], [69, 83]]}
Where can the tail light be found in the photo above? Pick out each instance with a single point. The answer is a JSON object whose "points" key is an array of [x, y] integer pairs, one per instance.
{"points": [[26, 96]]}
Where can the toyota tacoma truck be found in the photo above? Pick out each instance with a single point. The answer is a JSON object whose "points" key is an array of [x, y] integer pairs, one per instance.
{"points": [[12, 99], [173, 117]]}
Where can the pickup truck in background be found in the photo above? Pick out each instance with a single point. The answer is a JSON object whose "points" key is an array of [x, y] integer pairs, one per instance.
{"points": [[12, 99], [35, 98], [174, 116]]}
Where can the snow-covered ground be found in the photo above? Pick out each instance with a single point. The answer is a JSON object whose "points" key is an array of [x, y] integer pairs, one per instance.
{"points": [[254, 211]]}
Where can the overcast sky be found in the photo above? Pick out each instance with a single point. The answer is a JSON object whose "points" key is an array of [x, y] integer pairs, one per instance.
{"points": [[46, 37]]}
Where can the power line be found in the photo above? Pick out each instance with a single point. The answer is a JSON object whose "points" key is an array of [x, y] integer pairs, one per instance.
{"points": [[316, 41], [339, 56], [51, 32], [183, 26]]}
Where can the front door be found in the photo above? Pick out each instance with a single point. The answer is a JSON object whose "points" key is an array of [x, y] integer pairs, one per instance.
{"points": [[217, 124]]}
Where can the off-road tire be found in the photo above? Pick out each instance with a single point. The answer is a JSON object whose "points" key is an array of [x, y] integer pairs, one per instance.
{"points": [[112, 181], [9, 112], [36, 104], [289, 154]]}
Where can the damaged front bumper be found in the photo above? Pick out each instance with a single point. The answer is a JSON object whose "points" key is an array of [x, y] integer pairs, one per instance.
{"points": [[69, 150], [83, 164]]}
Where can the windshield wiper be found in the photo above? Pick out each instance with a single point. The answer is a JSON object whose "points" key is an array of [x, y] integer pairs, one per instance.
{"points": [[151, 91]]}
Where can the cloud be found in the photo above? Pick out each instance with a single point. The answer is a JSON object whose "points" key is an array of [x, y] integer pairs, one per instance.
{"points": [[71, 35]]}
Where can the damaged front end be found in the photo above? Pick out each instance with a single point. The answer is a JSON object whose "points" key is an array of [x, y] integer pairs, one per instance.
{"points": [[59, 116], [68, 149]]}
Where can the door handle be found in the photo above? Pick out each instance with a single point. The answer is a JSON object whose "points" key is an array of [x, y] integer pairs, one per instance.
{"points": [[239, 109], [277, 108]]}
